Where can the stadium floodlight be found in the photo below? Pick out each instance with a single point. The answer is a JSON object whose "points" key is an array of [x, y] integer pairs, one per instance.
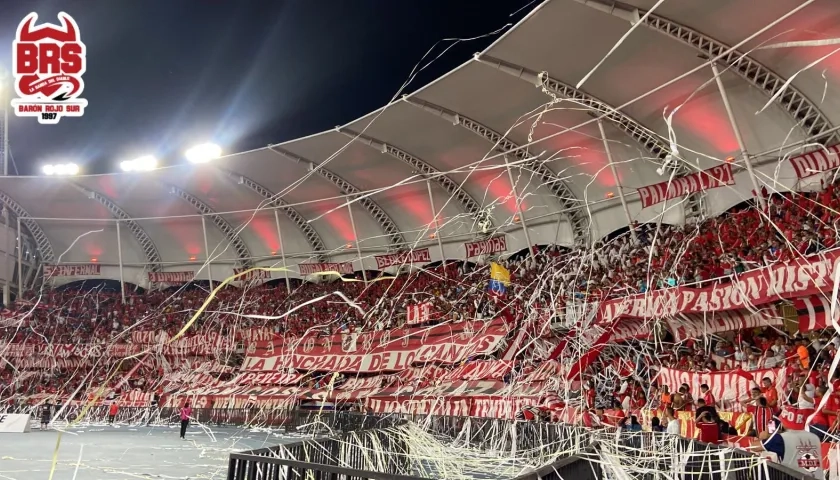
{"points": [[142, 164], [61, 169], [203, 153]]}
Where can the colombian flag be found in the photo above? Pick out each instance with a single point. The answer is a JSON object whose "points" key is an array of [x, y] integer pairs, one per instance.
{"points": [[499, 278]]}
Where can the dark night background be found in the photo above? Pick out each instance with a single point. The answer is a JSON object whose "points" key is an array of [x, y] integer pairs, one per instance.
{"points": [[163, 75]]}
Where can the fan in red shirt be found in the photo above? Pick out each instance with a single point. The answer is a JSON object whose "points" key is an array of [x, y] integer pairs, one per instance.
{"points": [[768, 390], [762, 415], [708, 430], [820, 422], [707, 395]]}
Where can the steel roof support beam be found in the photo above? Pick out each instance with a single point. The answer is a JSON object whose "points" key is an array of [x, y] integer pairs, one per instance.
{"points": [[803, 111], [42, 243], [647, 139], [395, 237], [275, 202], [578, 219], [229, 232], [419, 166], [149, 248]]}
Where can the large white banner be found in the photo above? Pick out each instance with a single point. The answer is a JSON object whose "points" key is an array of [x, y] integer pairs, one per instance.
{"points": [[486, 247], [14, 423], [414, 256], [345, 268], [71, 270]]}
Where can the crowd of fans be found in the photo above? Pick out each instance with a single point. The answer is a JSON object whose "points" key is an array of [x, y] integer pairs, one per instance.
{"points": [[541, 281]]}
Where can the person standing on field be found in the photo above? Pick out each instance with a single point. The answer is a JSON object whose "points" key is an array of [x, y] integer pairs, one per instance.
{"points": [[112, 412], [186, 411]]}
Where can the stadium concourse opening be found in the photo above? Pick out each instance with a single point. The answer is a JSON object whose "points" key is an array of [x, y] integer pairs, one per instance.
{"points": [[629, 271]]}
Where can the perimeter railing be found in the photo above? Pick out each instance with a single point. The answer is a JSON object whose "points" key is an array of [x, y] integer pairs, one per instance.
{"points": [[566, 451], [546, 443]]}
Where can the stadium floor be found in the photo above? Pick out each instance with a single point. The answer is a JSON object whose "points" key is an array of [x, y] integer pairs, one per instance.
{"points": [[127, 452]]}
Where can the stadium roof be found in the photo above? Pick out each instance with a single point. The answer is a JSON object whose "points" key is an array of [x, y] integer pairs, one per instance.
{"points": [[445, 141]]}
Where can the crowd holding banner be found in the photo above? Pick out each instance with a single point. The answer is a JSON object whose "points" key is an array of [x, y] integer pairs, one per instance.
{"points": [[388, 350], [717, 176], [757, 287], [403, 258]]}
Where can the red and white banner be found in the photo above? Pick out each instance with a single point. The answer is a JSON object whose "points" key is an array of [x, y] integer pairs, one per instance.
{"points": [[480, 370], [795, 418], [171, 277], [71, 270], [770, 284], [403, 258], [714, 177], [255, 334], [419, 313], [693, 325], [252, 275], [388, 350], [208, 344], [813, 312], [49, 363], [419, 406], [818, 161], [345, 268], [728, 388], [267, 378], [486, 247], [496, 407]]}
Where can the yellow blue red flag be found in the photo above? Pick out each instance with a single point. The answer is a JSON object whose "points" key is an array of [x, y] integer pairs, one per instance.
{"points": [[499, 278]]}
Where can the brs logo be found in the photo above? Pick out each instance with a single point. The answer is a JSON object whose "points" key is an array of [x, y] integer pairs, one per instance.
{"points": [[48, 62]]}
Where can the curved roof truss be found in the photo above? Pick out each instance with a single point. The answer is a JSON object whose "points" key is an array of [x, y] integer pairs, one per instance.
{"points": [[450, 186], [395, 237], [803, 111], [577, 218], [274, 201], [42, 243], [648, 140], [229, 232], [149, 248]]}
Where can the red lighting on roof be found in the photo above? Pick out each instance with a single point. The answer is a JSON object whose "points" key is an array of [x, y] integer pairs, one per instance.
{"points": [[730, 159], [192, 258], [610, 194], [349, 245], [94, 260], [273, 252], [516, 219], [433, 235]]}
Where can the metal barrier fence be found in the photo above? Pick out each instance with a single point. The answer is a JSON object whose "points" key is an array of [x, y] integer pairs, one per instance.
{"points": [[577, 452], [342, 455]]}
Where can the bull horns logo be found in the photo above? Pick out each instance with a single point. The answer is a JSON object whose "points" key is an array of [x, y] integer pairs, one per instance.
{"points": [[69, 31]]}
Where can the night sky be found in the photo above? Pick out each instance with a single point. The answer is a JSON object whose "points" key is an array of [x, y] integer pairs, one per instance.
{"points": [[163, 75]]}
